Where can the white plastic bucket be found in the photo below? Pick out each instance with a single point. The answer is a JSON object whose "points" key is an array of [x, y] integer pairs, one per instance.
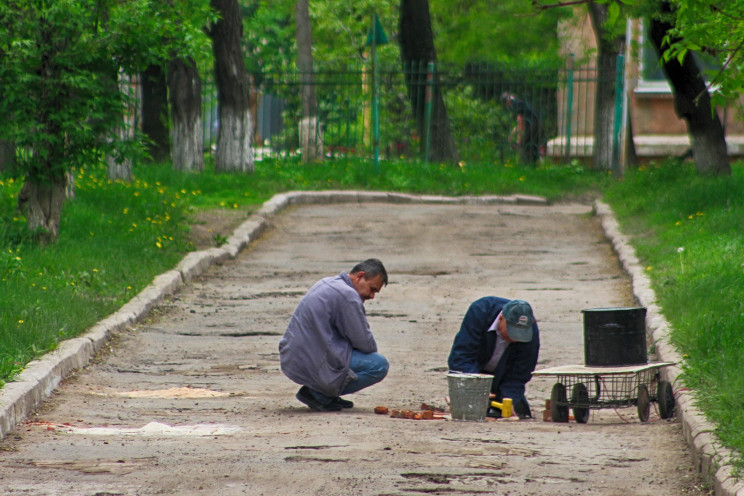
{"points": [[469, 396]]}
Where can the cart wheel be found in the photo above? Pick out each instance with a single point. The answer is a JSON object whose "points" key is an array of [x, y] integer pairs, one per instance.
{"points": [[558, 406], [644, 403], [580, 398], [665, 399]]}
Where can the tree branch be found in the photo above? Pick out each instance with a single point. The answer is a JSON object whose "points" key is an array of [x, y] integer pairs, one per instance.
{"points": [[715, 8], [540, 7], [729, 59]]}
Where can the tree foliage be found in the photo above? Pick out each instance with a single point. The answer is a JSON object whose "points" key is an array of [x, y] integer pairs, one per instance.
{"points": [[504, 31], [59, 60], [339, 32], [61, 99], [715, 28], [56, 105], [268, 36]]}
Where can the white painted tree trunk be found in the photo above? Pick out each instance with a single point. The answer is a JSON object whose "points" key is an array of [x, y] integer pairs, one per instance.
{"points": [[187, 134], [121, 169], [234, 151], [311, 139], [187, 138]]}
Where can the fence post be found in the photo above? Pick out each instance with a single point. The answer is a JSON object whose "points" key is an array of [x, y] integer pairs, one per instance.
{"points": [[569, 106], [375, 115], [427, 122], [619, 66]]}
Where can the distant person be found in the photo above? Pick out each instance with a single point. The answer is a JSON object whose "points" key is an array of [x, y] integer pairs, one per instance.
{"points": [[526, 133], [328, 347], [499, 337]]}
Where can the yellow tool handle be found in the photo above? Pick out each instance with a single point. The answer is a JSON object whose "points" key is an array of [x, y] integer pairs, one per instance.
{"points": [[505, 406]]}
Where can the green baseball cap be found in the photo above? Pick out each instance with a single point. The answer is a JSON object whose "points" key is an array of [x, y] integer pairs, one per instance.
{"points": [[519, 320]]}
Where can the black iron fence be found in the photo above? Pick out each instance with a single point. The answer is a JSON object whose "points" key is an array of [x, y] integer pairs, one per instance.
{"points": [[496, 113]]}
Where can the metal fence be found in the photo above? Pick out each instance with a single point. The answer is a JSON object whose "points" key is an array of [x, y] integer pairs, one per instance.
{"points": [[556, 105]]}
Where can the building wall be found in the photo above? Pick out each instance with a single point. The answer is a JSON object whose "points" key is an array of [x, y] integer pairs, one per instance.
{"points": [[650, 102]]}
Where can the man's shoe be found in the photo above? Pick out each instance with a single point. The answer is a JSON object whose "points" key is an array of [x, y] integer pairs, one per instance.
{"points": [[306, 397], [344, 403]]}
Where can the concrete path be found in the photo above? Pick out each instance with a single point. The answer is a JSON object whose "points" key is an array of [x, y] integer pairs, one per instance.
{"points": [[184, 394]]}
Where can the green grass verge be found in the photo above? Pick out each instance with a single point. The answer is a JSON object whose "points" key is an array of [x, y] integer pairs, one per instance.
{"points": [[688, 231]]}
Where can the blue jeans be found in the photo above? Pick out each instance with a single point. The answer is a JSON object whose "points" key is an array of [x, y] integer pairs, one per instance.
{"points": [[370, 369]]}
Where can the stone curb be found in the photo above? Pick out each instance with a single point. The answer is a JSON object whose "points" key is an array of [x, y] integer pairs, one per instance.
{"points": [[19, 399], [711, 460]]}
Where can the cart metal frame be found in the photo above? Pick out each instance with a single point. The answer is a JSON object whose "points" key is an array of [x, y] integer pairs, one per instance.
{"points": [[594, 387]]}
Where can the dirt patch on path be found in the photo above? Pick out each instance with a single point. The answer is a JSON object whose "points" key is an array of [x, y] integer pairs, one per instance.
{"points": [[208, 227], [220, 333]]}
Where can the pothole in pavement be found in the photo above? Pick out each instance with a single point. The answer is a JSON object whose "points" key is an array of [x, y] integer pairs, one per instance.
{"points": [[244, 334]]}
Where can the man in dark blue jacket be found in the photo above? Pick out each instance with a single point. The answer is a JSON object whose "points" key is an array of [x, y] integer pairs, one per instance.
{"points": [[499, 337]]}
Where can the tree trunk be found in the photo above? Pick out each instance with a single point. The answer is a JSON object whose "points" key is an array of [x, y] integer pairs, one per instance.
{"points": [[155, 112], [417, 50], [692, 103], [120, 168], [604, 96], [311, 139], [41, 203], [234, 152], [186, 113]]}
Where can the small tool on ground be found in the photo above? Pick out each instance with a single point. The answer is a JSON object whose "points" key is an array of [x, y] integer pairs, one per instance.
{"points": [[505, 406]]}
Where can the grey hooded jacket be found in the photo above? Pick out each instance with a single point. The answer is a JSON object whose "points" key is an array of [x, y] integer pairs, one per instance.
{"points": [[327, 324]]}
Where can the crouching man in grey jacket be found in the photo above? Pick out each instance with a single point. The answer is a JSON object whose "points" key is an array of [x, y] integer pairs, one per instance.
{"points": [[328, 347]]}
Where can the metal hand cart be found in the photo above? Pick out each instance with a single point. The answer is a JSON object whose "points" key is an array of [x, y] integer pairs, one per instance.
{"points": [[594, 387]]}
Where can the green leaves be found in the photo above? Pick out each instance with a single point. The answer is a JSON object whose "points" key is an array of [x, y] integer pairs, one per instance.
{"points": [[60, 68], [613, 13]]}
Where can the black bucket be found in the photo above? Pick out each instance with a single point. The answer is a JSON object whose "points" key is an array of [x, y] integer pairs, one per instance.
{"points": [[615, 336]]}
